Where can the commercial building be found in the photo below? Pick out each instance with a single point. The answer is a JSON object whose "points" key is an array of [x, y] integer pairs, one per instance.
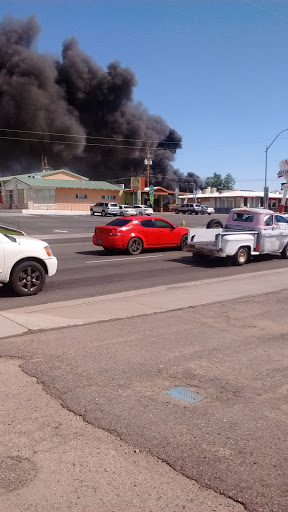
{"points": [[224, 201], [55, 190]]}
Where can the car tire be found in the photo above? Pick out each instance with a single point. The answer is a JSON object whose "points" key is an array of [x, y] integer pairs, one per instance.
{"points": [[121, 214], [284, 252], [139, 213], [28, 278], [214, 224], [241, 256], [103, 213], [135, 246], [196, 213], [189, 212], [202, 212], [176, 211], [92, 212], [183, 242]]}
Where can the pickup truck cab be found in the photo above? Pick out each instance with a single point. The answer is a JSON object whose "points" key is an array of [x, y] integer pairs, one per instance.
{"points": [[247, 232], [24, 263]]}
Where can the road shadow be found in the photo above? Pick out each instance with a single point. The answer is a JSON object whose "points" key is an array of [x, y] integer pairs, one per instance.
{"points": [[6, 292], [210, 262]]}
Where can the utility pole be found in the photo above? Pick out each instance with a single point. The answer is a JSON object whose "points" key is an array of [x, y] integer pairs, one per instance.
{"points": [[266, 191], [148, 162]]}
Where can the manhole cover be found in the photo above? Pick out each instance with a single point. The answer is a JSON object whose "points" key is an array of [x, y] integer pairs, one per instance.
{"points": [[185, 394], [15, 472]]}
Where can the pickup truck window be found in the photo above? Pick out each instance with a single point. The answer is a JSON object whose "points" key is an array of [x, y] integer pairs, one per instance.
{"points": [[279, 218], [243, 217], [268, 220]]}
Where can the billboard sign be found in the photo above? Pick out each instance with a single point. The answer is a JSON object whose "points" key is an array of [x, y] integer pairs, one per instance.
{"points": [[137, 184]]}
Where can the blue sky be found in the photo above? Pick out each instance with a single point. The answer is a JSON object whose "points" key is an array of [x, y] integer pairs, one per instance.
{"points": [[215, 70]]}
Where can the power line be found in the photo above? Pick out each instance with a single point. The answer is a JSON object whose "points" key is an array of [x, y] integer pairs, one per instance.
{"points": [[250, 141], [85, 136], [74, 143]]}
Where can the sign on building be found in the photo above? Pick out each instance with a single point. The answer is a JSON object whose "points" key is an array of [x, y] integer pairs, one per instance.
{"points": [[137, 184], [283, 169]]}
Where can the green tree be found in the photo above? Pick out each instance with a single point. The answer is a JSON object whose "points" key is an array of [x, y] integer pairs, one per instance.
{"points": [[216, 181], [228, 182]]}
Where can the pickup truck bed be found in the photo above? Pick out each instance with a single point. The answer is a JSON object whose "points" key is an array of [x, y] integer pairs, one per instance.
{"points": [[247, 232]]}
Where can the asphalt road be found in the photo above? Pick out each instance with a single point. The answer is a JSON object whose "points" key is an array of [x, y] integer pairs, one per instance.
{"points": [[86, 271], [84, 224]]}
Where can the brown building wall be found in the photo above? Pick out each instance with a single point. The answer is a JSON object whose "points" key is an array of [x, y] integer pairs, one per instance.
{"points": [[66, 198]]}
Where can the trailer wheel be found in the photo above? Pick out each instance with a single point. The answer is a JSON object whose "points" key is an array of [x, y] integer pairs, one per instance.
{"points": [[214, 224], [241, 256], [284, 252]]}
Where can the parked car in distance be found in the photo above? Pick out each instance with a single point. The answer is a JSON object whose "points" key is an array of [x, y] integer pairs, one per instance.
{"points": [[189, 208], [24, 263], [126, 210], [105, 209], [134, 235], [207, 209], [142, 209]]}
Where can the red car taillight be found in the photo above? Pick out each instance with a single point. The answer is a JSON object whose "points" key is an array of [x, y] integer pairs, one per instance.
{"points": [[115, 233]]}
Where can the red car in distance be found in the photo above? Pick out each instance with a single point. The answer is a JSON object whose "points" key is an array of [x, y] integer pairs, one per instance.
{"points": [[135, 234]]}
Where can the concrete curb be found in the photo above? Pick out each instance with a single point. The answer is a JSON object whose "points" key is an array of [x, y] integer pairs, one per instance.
{"points": [[140, 302]]}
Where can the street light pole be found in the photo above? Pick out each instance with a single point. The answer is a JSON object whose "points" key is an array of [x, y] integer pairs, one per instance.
{"points": [[265, 180]]}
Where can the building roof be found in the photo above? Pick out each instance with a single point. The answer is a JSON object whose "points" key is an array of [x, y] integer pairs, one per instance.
{"points": [[61, 171], [231, 193], [42, 174], [37, 182]]}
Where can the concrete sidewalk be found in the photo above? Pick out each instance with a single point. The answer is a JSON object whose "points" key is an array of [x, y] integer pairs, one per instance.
{"points": [[140, 302], [51, 460]]}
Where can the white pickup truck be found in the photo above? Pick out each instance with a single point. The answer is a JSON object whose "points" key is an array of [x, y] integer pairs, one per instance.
{"points": [[24, 262], [247, 232]]}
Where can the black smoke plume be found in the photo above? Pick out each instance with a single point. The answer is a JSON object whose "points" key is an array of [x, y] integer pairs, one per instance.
{"points": [[102, 132]]}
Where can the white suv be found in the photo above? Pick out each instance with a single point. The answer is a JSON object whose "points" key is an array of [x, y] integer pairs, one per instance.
{"points": [[24, 263], [105, 209]]}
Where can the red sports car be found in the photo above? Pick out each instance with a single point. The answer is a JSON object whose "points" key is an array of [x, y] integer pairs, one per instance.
{"points": [[135, 234]]}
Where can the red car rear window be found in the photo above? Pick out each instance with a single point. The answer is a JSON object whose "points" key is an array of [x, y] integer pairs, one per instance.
{"points": [[120, 223]]}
